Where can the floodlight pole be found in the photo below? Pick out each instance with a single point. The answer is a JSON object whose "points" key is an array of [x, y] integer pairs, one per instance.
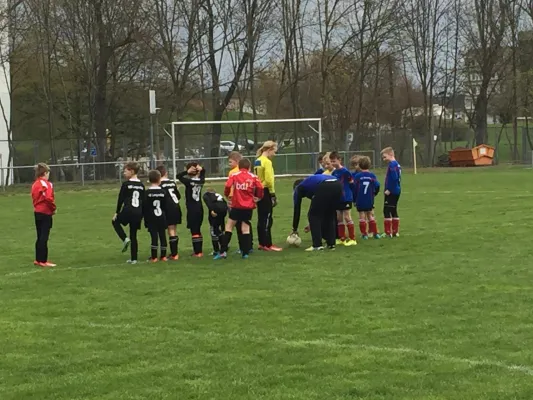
{"points": [[320, 135]]}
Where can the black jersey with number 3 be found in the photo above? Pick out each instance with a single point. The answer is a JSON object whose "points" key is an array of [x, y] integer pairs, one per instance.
{"points": [[130, 198], [193, 189], [154, 207]]}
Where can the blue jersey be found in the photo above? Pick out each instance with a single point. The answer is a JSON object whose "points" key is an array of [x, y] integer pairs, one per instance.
{"points": [[393, 178], [307, 188], [319, 171], [366, 188], [345, 177]]}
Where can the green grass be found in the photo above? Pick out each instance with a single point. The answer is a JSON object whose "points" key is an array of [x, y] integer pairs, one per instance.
{"points": [[444, 312]]}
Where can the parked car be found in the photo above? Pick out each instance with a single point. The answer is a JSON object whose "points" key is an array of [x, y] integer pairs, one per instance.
{"points": [[228, 145]]}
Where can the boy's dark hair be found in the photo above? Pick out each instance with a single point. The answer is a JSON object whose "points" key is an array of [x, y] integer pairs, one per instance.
{"points": [[154, 176], [191, 164], [41, 169], [335, 156], [132, 166], [321, 156], [162, 170], [296, 183], [245, 164], [365, 163]]}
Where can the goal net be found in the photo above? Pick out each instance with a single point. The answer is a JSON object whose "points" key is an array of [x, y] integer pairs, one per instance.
{"points": [[299, 142]]}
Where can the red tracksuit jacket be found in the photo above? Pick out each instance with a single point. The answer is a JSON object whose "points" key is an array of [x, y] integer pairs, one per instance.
{"points": [[42, 194], [245, 186]]}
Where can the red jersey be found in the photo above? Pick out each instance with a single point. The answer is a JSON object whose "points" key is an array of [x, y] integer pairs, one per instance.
{"points": [[245, 187], [42, 194]]}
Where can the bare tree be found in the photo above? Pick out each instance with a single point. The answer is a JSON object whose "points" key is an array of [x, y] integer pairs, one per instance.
{"points": [[486, 22]]}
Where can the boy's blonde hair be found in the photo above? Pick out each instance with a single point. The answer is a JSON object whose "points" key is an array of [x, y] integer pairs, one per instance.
{"points": [[41, 169], [268, 145], [387, 150], [235, 156]]}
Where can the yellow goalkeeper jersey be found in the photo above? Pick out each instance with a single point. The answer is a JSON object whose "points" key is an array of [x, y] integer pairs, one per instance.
{"points": [[265, 172]]}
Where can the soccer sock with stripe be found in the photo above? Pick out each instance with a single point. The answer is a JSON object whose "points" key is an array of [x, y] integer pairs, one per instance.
{"points": [[362, 226], [341, 231], [373, 226], [351, 230], [395, 225], [173, 241], [197, 243], [387, 224]]}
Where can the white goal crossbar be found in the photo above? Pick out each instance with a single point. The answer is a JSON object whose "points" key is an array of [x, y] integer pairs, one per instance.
{"points": [[242, 121]]}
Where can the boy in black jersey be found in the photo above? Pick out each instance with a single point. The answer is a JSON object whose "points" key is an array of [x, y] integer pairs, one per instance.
{"points": [[194, 178], [172, 210], [218, 208], [155, 218], [129, 210]]}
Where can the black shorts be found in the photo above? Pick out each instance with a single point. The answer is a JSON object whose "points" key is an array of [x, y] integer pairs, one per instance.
{"points": [[174, 216], [391, 200], [195, 219], [240, 215], [128, 218], [365, 209], [344, 205]]}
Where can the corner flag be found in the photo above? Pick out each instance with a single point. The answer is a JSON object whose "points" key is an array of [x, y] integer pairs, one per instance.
{"points": [[415, 143]]}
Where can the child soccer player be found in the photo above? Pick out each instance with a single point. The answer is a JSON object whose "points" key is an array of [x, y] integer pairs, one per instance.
{"points": [[44, 207], [366, 188], [247, 190], [344, 217], [218, 208], [392, 193], [320, 160], [172, 210], [194, 179], [129, 210], [155, 217], [354, 163]]}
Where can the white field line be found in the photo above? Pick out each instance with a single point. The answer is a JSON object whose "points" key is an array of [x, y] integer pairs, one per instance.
{"points": [[326, 342]]}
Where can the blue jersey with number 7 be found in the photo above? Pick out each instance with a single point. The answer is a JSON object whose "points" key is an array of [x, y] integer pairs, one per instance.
{"points": [[366, 187]]}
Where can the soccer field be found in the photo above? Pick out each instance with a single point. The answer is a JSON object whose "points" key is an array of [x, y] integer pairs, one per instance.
{"points": [[444, 312]]}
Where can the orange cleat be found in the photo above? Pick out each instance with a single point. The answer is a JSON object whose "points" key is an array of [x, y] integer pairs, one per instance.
{"points": [[175, 258], [198, 255], [164, 259], [48, 264], [153, 260], [275, 248]]}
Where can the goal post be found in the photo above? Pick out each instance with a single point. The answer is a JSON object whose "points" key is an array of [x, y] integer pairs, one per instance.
{"points": [[175, 124]]}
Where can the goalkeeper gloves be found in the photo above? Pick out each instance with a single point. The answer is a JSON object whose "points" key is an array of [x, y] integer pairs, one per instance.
{"points": [[274, 201]]}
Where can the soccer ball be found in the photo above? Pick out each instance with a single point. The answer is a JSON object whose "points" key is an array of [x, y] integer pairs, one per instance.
{"points": [[294, 240]]}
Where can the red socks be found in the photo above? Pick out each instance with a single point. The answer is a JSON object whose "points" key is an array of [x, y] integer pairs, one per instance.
{"points": [[351, 230], [395, 225], [373, 226], [341, 231], [362, 227], [387, 222]]}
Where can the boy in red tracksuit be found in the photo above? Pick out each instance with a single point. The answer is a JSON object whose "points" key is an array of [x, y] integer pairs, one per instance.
{"points": [[42, 194], [246, 190]]}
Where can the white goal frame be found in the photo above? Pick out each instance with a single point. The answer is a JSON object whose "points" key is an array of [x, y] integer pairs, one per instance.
{"points": [[241, 121]]}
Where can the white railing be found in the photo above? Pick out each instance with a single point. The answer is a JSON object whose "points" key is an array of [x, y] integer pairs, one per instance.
{"points": [[289, 164]]}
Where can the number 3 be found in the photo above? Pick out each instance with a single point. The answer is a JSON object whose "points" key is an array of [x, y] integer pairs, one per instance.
{"points": [[157, 211]]}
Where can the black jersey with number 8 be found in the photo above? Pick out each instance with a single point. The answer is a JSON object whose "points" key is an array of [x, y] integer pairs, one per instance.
{"points": [[130, 198]]}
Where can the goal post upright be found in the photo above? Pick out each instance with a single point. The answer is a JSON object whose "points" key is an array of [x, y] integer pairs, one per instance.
{"points": [[242, 121]]}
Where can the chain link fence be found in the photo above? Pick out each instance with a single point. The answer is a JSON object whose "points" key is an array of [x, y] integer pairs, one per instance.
{"points": [[216, 168]]}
